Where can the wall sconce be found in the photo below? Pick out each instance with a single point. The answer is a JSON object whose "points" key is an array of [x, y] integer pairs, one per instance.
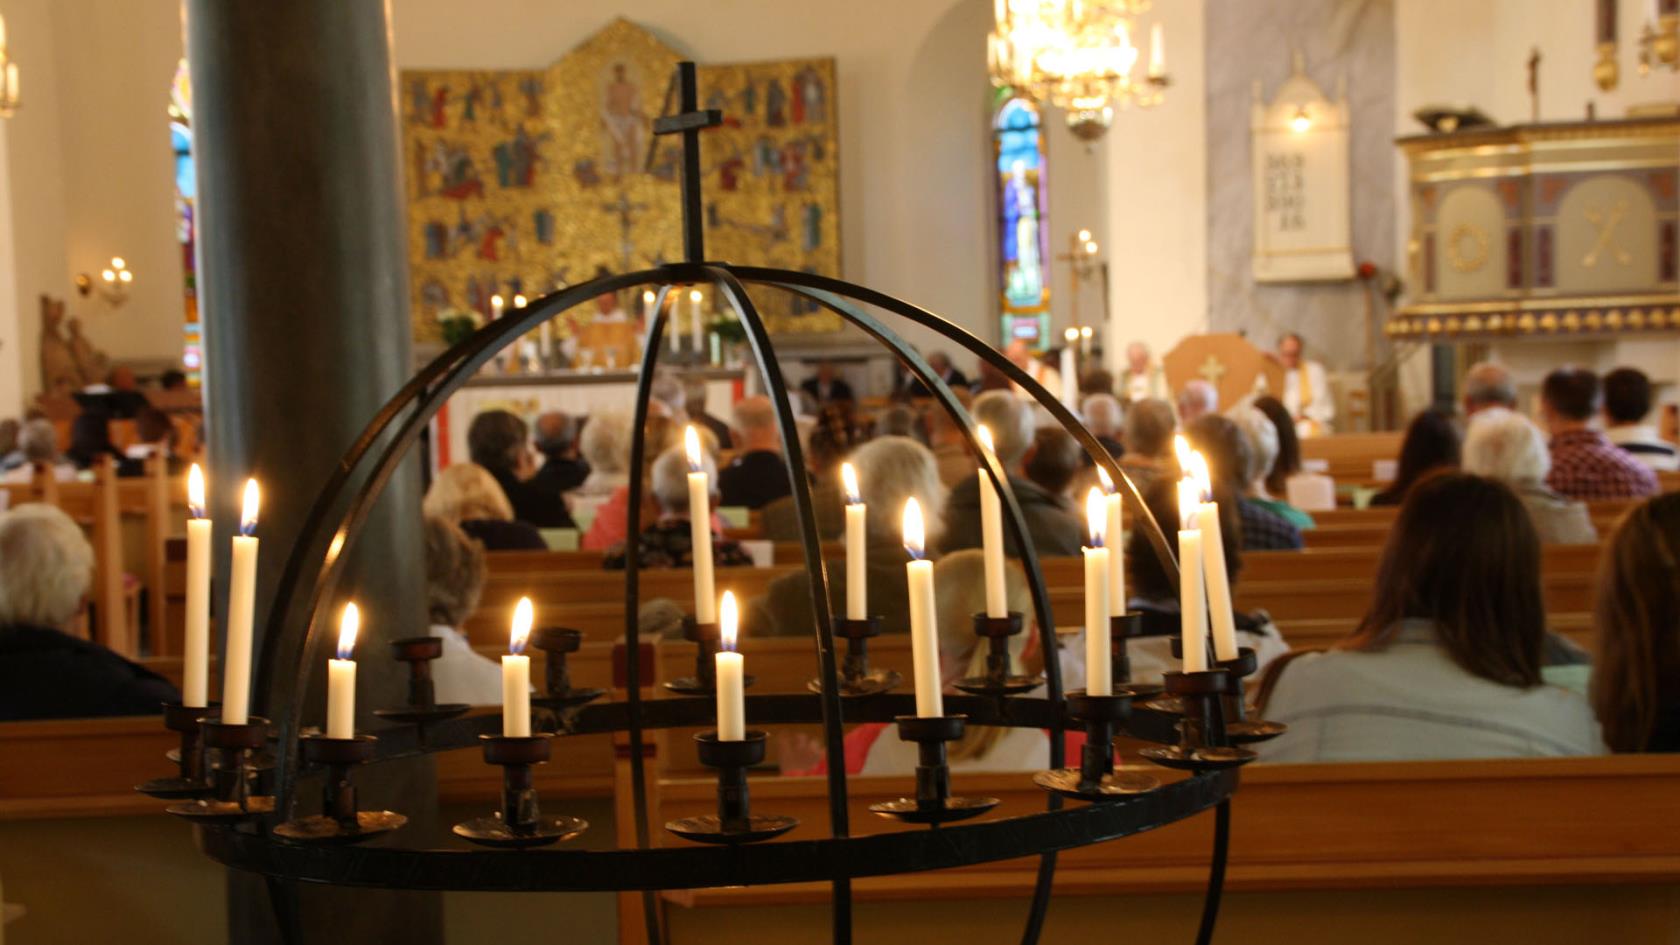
{"points": [[9, 100], [1301, 123], [112, 284]]}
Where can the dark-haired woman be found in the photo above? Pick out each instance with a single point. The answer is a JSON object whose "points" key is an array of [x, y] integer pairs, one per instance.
{"points": [[1446, 664], [1432, 443], [1288, 462], [1635, 686]]}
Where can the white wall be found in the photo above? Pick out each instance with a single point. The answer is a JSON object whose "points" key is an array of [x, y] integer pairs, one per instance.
{"points": [[1157, 200]]}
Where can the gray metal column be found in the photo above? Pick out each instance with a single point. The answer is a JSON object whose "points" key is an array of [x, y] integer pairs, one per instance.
{"points": [[304, 287]]}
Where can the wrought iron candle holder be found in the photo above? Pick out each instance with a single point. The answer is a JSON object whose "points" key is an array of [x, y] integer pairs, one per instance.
{"points": [[998, 681], [192, 779], [1095, 779], [734, 822], [707, 638], [1239, 728], [520, 823], [1203, 743], [556, 643], [1121, 630], [933, 803], [856, 678], [232, 772], [340, 820], [422, 708]]}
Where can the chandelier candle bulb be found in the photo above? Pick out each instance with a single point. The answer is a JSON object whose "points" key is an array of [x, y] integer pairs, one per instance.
{"points": [[700, 528], [496, 305], [341, 678], [1192, 598], [697, 329], [1099, 668], [1070, 373], [673, 334], [1114, 538], [1157, 51], [242, 599], [924, 633], [516, 674], [731, 675], [991, 533], [195, 670], [857, 580]]}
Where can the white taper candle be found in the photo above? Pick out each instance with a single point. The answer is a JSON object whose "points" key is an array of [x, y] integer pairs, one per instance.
{"points": [[242, 598], [1099, 667], [195, 668], [924, 627], [516, 674], [991, 532], [731, 676], [341, 679], [857, 580], [700, 529]]}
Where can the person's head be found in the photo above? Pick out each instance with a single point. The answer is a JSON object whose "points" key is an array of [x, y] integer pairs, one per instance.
{"points": [[891, 470], [1053, 461], [1137, 357], [496, 440], [1636, 612], [1627, 397], [172, 379], [1463, 555], [152, 425], [960, 593], [939, 361], [1146, 576], [1226, 450], [46, 567], [1432, 443], [1262, 439], [605, 443], [1010, 421], [122, 378], [829, 439], [1149, 428], [1198, 398], [897, 420], [1486, 385], [1019, 353], [606, 303], [1288, 461], [9, 429], [1289, 350], [666, 396], [555, 432], [465, 492], [755, 425], [668, 480], [1505, 445], [39, 441], [1569, 396], [1096, 381], [455, 569], [694, 396], [1103, 416], [90, 438], [825, 371]]}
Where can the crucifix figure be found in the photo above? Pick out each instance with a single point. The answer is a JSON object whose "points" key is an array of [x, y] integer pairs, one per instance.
{"points": [[626, 213], [688, 122], [1534, 84]]}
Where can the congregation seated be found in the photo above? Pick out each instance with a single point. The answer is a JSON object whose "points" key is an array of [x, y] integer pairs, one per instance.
{"points": [[46, 569], [1488, 385], [605, 445], [1505, 445], [1104, 418], [1446, 663], [1054, 460], [1585, 464], [667, 543], [1432, 443], [1635, 688], [556, 439], [949, 446], [890, 471], [611, 525], [759, 475], [38, 449], [1227, 452], [469, 497], [1261, 435], [455, 571], [10, 455], [1287, 467], [1154, 593], [1052, 525], [911, 386], [694, 408], [90, 441], [826, 386], [897, 420], [1149, 434], [499, 441], [154, 435], [1627, 407], [1197, 399]]}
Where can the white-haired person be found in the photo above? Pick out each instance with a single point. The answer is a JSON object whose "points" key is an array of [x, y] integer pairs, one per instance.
{"points": [[38, 449], [46, 568], [610, 527], [890, 470], [469, 496], [1262, 436], [455, 570], [1106, 421], [1505, 445], [1053, 525], [666, 542], [1150, 426]]}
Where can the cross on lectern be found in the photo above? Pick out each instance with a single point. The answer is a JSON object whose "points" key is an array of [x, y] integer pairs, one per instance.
{"points": [[688, 122], [1212, 369]]}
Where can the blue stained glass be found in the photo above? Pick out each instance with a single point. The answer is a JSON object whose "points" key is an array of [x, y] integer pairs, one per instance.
{"points": [[1020, 174]]}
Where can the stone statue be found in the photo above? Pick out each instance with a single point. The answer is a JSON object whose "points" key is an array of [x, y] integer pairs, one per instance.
{"points": [[69, 361]]}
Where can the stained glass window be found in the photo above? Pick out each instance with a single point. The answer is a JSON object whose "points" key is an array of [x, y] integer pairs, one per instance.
{"points": [[186, 202], [1023, 249]]}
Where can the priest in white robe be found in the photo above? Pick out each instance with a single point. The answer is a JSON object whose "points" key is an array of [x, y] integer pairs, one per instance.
{"points": [[1306, 389]]}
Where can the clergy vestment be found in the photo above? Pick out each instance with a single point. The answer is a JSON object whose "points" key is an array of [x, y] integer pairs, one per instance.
{"points": [[1306, 394]]}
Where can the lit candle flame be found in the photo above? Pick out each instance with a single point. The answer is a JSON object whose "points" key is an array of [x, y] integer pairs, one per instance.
{"points": [[694, 296], [1181, 449], [984, 435], [647, 298], [1072, 334], [1084, 236], [1096, 515], [691, 443], [729, 616], [1107, 483], [248, 515], [348, 625], [496, 300], [1090, 247], [523, 617], [914, 532], [849, 481], [195, 492], [1085, 332], [519, 301]]}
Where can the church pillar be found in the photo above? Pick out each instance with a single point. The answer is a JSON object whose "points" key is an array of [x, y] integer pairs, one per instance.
{"points": [[303, 282]]}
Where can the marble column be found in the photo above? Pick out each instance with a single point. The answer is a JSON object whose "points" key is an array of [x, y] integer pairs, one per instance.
{"points": [[304, 288]]}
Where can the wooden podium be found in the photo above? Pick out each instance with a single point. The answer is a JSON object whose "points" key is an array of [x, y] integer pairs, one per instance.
{"points": [[1228, 361]]}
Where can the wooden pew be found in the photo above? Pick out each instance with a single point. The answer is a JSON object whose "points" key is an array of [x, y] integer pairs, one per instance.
{"points": [[1348, 457]]}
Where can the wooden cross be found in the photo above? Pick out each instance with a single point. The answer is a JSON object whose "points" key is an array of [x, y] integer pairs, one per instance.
{"points": [[689, 121], [1212, 369], [1534, 83]]}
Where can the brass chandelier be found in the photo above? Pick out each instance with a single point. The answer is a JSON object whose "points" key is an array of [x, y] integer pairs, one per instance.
{"points": [[1077, 55]]}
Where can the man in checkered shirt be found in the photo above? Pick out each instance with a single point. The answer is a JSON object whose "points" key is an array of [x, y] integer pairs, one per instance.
{"points": [[1585, 464]]}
